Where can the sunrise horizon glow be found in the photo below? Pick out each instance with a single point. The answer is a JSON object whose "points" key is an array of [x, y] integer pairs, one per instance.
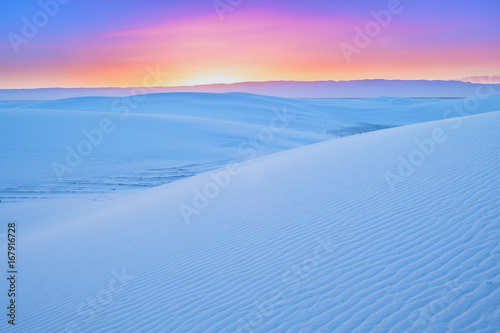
{"points": [[55, 43]]}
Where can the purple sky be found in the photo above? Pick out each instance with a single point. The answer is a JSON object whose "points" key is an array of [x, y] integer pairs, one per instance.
{"points": [[113, 43]]}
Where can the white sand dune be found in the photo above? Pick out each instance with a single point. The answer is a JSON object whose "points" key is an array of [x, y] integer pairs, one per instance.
{"points": [[160, 138], [322, 238]]}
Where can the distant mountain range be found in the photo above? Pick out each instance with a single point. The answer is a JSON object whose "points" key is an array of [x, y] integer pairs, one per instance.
{"points": [[290, 89]]}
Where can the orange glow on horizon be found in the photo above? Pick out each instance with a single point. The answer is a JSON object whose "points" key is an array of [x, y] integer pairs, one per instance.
{"points": [[254, 47]]}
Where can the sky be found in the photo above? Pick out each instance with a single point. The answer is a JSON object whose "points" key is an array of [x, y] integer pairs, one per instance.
{"points": [[69, 43]]}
